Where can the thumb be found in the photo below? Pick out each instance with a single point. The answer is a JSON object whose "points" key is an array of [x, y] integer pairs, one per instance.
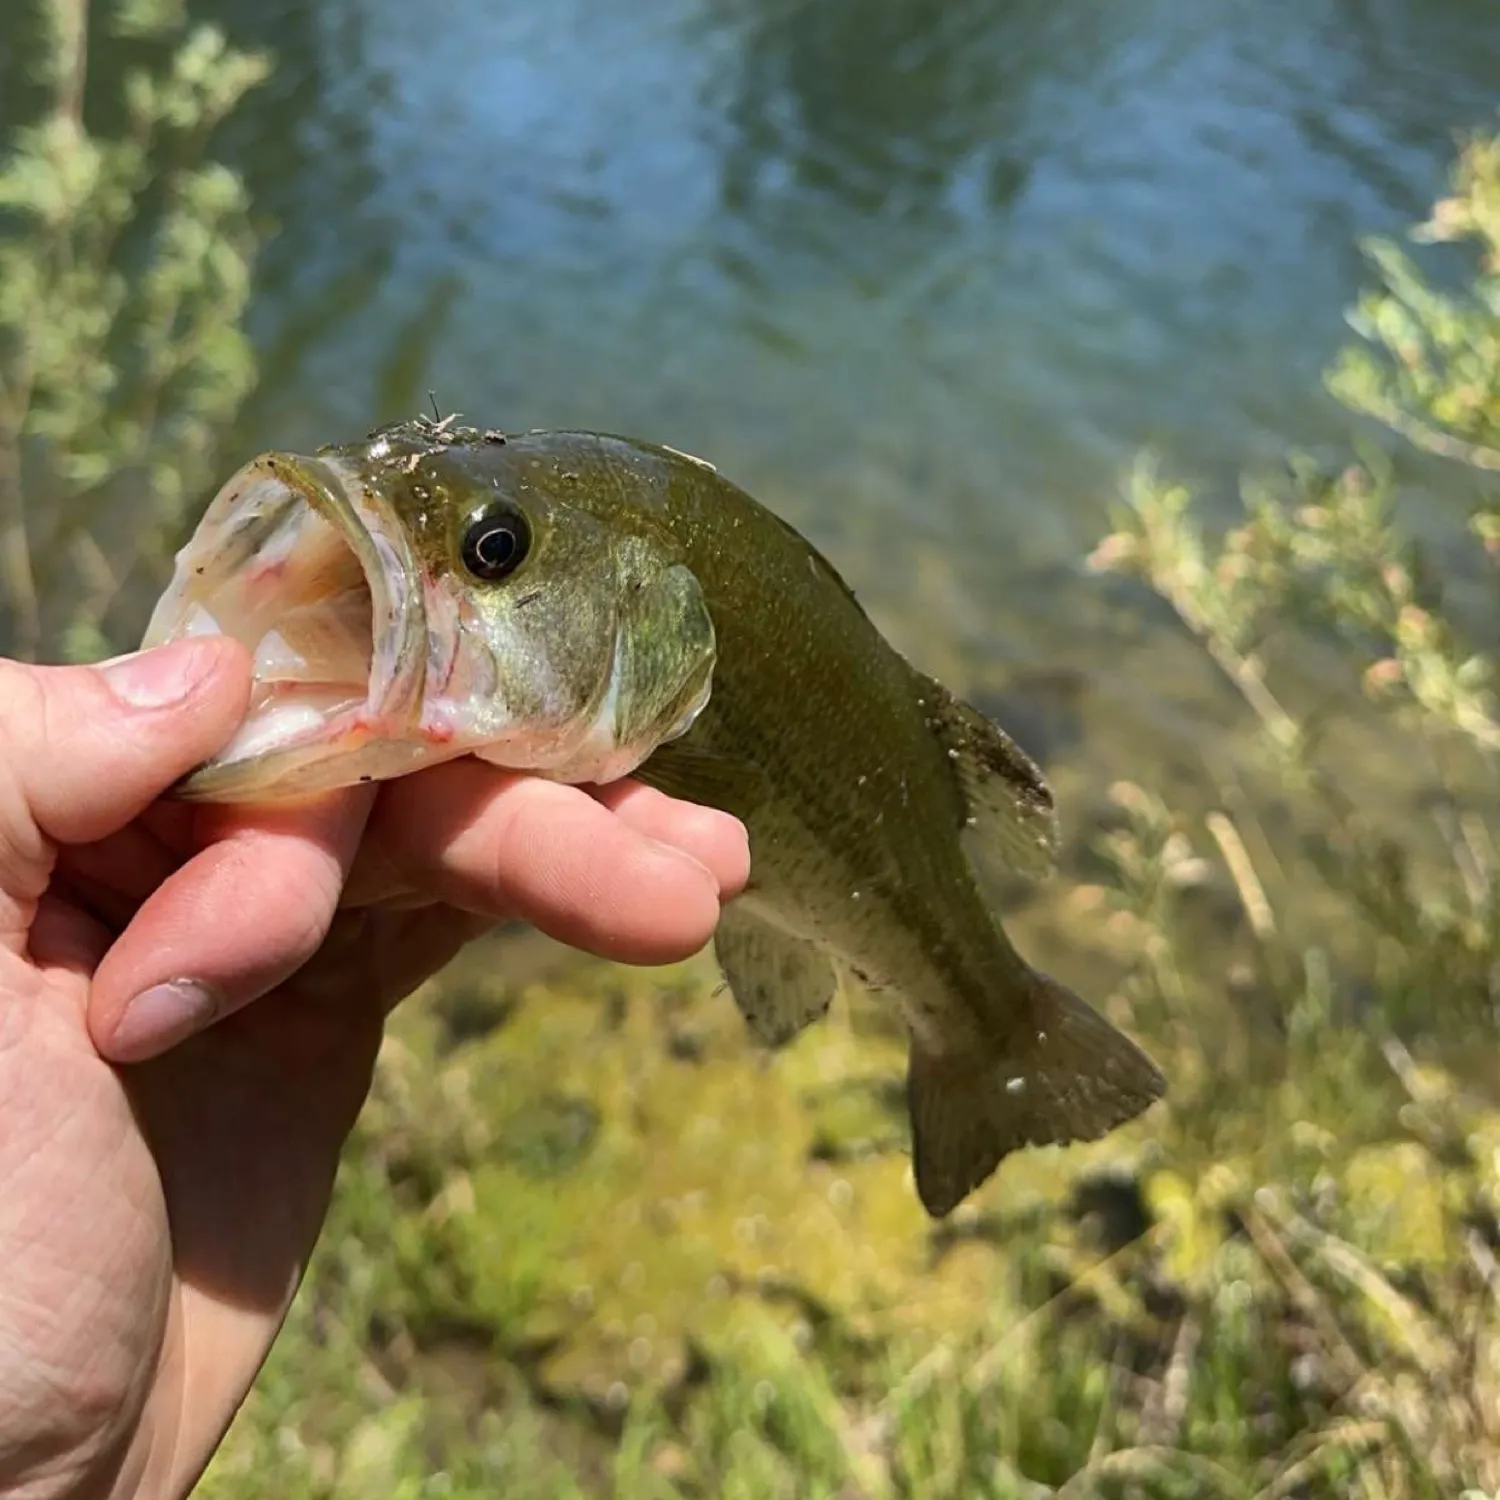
{"points": [[83, 750]]}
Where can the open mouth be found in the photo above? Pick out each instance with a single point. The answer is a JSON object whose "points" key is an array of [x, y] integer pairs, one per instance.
{"points": [[302, 563]]}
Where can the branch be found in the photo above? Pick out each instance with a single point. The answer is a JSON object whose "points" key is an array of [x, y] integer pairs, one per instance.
{"points": [[1432, 439], [72, 22]]}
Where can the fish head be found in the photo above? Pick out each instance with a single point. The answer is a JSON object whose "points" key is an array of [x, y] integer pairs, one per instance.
{"points": [[433, 592]]}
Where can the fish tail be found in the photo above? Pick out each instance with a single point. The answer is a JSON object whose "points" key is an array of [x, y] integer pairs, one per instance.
{"points": [[1065, 1074]]}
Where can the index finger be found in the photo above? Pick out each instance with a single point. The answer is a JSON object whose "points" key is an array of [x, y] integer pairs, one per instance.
{"points": [[639, 881]]}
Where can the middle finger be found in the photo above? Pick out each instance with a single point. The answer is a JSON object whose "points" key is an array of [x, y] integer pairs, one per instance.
{"points": [[513, 845]]}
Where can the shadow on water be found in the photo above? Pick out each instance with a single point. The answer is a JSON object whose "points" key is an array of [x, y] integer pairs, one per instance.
{"points": [[880, 108]]}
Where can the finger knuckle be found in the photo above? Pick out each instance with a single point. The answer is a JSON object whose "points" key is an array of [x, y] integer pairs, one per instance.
{"points": [[25, 854]]}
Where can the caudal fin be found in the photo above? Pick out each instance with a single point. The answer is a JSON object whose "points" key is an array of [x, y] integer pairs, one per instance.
{"points": [[1070, 1076]]}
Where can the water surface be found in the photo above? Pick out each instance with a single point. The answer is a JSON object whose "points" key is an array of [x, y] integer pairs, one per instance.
{"points": [[925, 276]]}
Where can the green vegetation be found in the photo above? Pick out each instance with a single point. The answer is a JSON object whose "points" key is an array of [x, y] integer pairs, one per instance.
{"points": [[588, 1241], [125, 264]]}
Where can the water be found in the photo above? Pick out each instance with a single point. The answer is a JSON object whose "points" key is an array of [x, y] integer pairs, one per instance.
{"points": [[925, 276]]}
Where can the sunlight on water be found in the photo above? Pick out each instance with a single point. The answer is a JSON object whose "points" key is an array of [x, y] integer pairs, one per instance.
{"points": [[924, 277]]}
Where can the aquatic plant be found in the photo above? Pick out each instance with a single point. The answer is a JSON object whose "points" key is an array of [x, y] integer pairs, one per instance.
{"points": [[1429, 363], [125, 266], [1381, 950]]}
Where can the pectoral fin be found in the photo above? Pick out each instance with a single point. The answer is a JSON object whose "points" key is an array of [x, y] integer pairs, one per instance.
{"points": [[780, 983], [697, 774]]}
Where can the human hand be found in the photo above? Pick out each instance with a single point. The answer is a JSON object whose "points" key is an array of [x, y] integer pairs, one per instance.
{"points": [[155, 1218]]}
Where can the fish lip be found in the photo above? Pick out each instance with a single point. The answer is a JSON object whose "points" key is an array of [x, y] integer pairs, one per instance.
{"points": [[342, 496], [398, 614]]}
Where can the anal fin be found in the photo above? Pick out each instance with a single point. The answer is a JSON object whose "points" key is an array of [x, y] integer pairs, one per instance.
{"points": [[781, 983], [1067, 1076]]}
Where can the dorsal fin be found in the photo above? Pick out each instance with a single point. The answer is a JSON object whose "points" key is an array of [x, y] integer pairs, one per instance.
{"points": [[1011, 814]]}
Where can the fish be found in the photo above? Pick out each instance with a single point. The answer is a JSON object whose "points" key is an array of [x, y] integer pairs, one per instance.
{"points": [[585, 606]]}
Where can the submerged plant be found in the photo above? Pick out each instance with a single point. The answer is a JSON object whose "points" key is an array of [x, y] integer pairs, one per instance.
{"points": [[1429, 366], [1381, 1242]]}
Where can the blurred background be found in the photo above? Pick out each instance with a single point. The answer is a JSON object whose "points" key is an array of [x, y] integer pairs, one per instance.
{"points": [[928, 279]]}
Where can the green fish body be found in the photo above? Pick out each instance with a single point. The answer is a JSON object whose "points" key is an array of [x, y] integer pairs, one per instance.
{"points": [[878, 804]]}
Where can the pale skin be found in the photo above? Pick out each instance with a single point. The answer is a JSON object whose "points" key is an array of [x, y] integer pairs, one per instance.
{"points": [[164, 1173]]}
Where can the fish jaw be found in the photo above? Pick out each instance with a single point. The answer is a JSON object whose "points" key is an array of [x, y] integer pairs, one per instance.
{"points": [[305, 565]]}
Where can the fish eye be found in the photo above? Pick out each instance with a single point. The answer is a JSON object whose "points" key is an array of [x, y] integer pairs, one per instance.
{"points": [[496, 543]]}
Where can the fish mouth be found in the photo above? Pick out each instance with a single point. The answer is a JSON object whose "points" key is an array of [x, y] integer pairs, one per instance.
{"points": [[310, 568]]}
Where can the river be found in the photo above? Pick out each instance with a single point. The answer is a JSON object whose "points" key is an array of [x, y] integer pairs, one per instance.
{"points": [[924, 276]]}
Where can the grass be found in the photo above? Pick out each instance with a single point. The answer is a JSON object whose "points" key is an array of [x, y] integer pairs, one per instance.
{"points": [[589, 1242]]}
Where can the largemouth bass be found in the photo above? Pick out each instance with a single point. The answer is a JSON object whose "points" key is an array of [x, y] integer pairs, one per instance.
{"points": [[586, 607]]}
